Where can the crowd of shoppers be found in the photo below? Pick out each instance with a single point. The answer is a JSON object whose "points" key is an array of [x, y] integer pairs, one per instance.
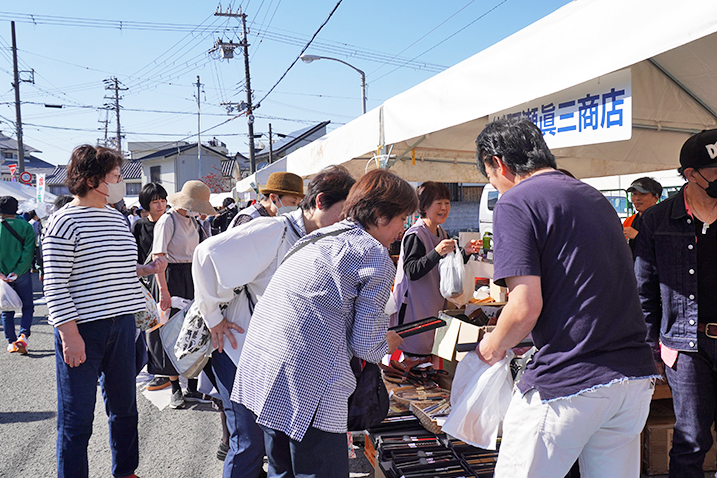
{"points": [[295, 286]]}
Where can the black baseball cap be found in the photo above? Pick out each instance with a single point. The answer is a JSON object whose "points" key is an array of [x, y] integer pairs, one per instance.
{"points": [[8, 205], [700, 150], [645, 185]]}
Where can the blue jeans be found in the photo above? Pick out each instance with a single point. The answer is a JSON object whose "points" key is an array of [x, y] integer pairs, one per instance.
{"points": [[693, 382], [318, 455], [110, 351], [246, 440], [23, 286]]}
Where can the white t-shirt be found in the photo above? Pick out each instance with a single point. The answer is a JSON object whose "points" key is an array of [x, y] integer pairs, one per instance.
{"points": [[176, 237]]}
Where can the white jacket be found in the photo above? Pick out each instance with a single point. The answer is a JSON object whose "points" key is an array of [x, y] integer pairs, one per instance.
{"points": [[245, 256]]}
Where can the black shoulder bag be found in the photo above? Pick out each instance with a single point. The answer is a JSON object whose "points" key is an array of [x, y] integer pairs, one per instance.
{"points": [[13, 232], [368, 405]]}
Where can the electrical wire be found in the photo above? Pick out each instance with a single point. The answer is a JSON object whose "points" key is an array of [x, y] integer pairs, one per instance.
{"points": [[426, 34], [261, 39], [443, 41], [301, 53]]}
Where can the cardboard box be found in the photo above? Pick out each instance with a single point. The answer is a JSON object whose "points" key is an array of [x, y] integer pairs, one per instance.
{"points": [[657, 442]]}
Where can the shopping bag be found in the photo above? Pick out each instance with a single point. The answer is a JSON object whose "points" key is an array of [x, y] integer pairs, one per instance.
{"points": [[9, 300], [149, 317], [368, 405], [451, 271], [187, 341], [480, 396]]}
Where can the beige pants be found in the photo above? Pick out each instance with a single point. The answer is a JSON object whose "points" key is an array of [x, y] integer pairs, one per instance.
{"points": [[601, 428]]}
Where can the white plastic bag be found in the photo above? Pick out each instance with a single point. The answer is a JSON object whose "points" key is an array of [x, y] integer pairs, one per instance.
{"points": [[480, 396], [451, 271], [9, 300], [187, 341]]}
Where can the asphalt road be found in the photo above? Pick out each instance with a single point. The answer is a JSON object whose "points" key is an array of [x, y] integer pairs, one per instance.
{"points": [[173, 443]]}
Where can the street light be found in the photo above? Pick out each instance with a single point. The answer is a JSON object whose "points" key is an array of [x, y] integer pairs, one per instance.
{"points": [[310, 58]]}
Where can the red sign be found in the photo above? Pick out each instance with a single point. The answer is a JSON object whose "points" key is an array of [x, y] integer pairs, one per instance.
{"points": [[25, 177], [12, 167]]}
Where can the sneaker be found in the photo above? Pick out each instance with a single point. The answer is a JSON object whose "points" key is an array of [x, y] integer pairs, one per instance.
{"points": [[158, 383], [11, 347], [21, 344], [177, 400], [191, 396], [222, 451]]}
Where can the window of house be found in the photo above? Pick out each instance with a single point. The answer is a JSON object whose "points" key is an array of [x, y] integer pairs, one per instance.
{"points": [[133, 189], [59, 189], [155, 174], [7, 155]]}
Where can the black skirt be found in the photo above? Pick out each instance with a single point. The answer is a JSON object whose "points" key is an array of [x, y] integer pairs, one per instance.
{"points": [[180, 284]]}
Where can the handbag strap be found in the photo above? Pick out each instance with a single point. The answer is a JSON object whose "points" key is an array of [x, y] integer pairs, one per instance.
{"points": [[313, 240], [13, 232]]}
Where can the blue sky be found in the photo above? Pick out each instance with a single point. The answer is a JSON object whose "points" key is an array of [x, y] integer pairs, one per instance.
{"points": [[157, 49]]}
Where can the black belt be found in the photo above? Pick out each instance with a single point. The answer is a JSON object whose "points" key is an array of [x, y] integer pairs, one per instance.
{"points": [[710, 330]]}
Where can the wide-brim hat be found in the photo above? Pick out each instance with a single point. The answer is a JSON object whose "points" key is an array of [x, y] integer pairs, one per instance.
{"points": [[282, 183], [194, 196]]}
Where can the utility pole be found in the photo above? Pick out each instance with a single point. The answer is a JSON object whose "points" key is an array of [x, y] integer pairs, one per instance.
{"points": [[199, 128], [106, 123], [271, 147], [18, 116], [230, 46], [114, 84]]}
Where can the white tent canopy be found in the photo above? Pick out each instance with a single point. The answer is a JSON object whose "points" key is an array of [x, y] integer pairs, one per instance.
{"points": [[22, 192], [259, 178], [669, 47]]}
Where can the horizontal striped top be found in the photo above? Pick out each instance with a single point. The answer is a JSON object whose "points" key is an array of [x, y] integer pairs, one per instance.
{"points": [[90, 260]]}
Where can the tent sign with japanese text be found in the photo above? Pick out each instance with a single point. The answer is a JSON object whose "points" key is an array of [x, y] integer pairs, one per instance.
{"points": [[597, 111]]}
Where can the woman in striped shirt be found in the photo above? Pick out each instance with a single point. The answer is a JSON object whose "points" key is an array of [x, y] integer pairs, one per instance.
{"points": [[92, 291]]}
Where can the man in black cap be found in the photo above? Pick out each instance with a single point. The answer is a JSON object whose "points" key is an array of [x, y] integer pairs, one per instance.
{"points": [[17, 247], [646, 193], [676, 269]]}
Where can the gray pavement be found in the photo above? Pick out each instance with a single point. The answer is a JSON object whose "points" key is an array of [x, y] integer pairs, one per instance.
{"points": [[173, 443]]}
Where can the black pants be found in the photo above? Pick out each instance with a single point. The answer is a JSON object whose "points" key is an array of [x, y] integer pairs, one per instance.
{"points": [[319, 454]]}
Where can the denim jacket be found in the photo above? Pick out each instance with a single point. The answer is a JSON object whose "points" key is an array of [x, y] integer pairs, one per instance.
{"points": [[666, 270]]}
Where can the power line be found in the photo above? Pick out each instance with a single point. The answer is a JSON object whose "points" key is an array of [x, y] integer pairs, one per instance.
{"points": [[425, 35], [442, 41], [301, 53], [98, 23]]}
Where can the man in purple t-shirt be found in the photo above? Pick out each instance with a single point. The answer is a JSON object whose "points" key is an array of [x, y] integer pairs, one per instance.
{"points": [[560, 249]]}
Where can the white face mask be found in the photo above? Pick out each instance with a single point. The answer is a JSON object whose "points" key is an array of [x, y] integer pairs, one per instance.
{"points": [[115, 191], [285, 209]]}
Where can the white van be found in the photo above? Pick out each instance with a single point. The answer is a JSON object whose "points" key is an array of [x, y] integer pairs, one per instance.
{"points": [[488, 198], [612, 187]]}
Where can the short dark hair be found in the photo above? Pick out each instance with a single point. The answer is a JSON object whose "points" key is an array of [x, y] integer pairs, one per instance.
{"points": [[61, 200], [429, 192], [334, 181], [88, 166], [151, 192], [227, 202], [378, 194], [518, 143]]}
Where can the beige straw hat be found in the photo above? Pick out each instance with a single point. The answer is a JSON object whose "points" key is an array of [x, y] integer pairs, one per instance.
{"points": [[194, 196]]}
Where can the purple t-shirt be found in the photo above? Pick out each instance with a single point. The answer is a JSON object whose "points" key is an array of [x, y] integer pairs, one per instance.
{"points": [[591, 330]]}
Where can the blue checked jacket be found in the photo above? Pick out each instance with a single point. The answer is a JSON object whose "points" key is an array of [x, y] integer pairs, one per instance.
{"points": [[325, 304]]}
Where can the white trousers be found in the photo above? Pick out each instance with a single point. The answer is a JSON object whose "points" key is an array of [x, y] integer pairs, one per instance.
{"points": [[601, 428]]}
